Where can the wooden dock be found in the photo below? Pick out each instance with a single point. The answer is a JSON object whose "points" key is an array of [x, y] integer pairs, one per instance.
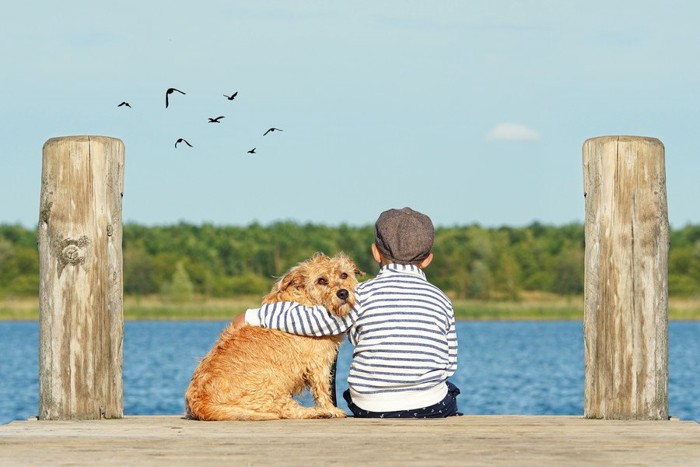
{"points": [[469, 440]]}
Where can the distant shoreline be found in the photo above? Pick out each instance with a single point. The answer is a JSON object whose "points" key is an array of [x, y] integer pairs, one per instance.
{"points": [[534, 307]]}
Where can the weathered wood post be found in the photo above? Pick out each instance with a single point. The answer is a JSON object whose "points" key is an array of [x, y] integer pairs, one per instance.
{"points": [[80, 291], [626, 279]]}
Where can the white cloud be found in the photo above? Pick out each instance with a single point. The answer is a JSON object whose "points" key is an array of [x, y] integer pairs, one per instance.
{"points": [[512, 132]]}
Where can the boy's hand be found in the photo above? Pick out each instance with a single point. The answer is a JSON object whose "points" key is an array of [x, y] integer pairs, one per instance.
{"points": [[239, 321]]}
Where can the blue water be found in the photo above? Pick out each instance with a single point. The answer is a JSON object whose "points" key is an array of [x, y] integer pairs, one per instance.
{"points": [[533, 368]]}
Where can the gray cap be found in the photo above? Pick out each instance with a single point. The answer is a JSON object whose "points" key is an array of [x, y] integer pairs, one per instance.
{"points": [[403, 235]]}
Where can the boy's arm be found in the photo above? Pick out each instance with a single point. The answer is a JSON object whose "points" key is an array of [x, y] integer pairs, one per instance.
{"points": [[299, 319]]}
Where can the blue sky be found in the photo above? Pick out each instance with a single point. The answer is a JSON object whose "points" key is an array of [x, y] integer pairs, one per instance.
{"points": [[470, 111]]}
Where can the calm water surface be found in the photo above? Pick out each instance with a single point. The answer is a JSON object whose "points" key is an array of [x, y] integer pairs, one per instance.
{"points": [[532, 368]]}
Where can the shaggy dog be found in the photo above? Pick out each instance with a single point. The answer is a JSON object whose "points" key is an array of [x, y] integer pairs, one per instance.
{"points": [[252, 373]]}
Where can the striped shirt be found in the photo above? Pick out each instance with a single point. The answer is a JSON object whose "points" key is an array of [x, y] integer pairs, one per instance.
{"points": [[403, 331]]}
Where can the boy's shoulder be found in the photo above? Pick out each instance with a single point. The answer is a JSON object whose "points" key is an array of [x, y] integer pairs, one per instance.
{"points": [[437, 290], [368, 283], [369, 289]]}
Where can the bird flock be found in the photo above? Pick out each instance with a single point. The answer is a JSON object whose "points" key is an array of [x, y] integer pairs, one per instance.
{"points": [[170, 91]]}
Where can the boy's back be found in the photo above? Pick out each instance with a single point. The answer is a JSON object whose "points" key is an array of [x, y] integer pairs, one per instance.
{"points": [[405, 341]]}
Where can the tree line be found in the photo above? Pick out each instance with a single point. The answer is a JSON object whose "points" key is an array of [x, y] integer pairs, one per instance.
{"points": [[183, 261]]}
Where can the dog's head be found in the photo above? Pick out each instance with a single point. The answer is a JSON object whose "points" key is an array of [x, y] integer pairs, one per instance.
{"points": [[320, 280]]}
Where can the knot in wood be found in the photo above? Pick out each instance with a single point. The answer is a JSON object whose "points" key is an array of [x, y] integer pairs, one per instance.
{"points": [[71, 251], [71, 254], [110, 230]]}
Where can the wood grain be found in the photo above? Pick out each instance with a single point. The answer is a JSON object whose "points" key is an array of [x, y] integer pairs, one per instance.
{"points": [[80, 266], [470, 440], [626, 279]]}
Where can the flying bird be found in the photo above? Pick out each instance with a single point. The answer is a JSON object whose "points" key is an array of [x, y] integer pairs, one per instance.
{"points": [[124, 104], [232, 96], [168, 92], [216, 120], [272, 129], [183, 140], [252, 151]]}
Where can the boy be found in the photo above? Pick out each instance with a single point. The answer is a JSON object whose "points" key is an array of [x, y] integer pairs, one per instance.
{"points": [[402, 327]]}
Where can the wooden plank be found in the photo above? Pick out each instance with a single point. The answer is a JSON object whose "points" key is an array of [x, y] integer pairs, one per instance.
{"points": [[626, 279], [468, 440], [80, 266]]}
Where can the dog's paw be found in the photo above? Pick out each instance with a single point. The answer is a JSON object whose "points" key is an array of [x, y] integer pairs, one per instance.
{"points": [[329, 412], [336, 413]]}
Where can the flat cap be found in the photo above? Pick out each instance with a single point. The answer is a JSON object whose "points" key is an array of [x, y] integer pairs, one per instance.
{"points": [[403, 235]]}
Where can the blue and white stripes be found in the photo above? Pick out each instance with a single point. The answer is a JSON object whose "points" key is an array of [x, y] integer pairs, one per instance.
{"points": [[298, 319], [403, 330]]}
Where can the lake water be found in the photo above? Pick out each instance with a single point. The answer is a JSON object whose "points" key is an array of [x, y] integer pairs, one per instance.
{"points": [[532, 368]]}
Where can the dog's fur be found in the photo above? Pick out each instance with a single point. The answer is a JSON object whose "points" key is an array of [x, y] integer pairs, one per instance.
{"points": [[252, 373]]}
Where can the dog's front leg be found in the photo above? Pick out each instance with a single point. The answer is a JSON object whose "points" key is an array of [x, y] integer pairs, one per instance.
{"points": [[319, 382]]}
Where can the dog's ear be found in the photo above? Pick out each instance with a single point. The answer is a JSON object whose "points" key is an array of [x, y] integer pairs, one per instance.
{"points": [[355, 269], [295, 278]]}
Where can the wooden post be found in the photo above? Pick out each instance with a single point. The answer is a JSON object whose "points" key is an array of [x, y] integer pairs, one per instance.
{"points": [[626, 279], [80, 291]]}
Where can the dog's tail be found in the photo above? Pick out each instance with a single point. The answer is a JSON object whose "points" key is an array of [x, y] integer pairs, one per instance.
{"points": [[221, 412]]}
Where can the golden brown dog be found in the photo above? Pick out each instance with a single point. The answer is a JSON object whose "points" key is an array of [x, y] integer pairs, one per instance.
{"points": [[252, 373]]}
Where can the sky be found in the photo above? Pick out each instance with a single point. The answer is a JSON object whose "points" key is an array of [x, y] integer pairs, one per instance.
{"points": [[469, 111]]}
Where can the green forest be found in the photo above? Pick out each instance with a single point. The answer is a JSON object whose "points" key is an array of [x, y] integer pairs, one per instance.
{"points": [[182, 261]]}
